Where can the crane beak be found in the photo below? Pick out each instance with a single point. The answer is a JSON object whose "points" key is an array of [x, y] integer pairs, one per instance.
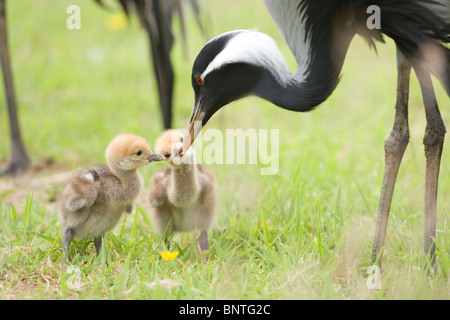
{"points": [[194, 128], [155, 157]]}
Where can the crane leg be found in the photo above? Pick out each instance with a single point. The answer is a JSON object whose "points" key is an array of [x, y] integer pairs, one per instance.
{"points": [[156, 19], [161, 47], [433, 142], [19, 159], [394, 146]]}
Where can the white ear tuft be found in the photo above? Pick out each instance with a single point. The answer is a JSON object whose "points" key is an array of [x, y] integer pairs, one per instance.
{"points": [[254, 48]]}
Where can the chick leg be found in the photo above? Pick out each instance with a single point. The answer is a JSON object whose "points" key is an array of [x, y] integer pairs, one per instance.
{"points": [[67, 239], [98, 244], [203, 241]]}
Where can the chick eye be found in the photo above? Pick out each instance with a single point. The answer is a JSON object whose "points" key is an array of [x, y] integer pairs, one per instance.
{"points": [[167, 155], [181, 139], [139, 153]]}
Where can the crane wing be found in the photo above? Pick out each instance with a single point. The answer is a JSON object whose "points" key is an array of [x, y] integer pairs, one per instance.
{"points": [[319, 32]]}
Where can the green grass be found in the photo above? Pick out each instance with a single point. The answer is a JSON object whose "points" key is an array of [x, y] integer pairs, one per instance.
{"points": [[305, 233]]}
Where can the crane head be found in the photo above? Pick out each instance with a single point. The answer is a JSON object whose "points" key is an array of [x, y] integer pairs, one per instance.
{"points": [[229, 67]]}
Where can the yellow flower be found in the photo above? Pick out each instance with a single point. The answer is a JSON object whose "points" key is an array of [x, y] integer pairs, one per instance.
{"points": [[169, 255], [117, 21]]}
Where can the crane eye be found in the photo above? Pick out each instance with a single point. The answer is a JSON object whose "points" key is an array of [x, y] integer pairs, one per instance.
{"points": [[199, 80]]}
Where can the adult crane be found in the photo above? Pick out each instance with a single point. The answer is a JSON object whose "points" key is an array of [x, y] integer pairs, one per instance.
{"points": [[319, 32]]}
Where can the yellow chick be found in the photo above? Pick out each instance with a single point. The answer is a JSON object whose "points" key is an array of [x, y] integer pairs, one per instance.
{"points": [[94, 200]]}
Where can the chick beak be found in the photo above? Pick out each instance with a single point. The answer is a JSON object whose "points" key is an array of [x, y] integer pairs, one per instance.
{"points": [[155, 157], [194, 128]]}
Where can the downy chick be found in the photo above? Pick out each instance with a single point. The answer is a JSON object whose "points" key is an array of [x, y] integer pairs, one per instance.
{"points": [[184, 192], [93, 201]]}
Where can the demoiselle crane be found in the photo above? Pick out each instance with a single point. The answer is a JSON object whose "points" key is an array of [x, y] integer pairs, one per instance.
{"points": [[318, 32]]}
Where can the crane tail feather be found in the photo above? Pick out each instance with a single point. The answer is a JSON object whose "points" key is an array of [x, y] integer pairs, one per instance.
{"points": [[420, 29]]}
